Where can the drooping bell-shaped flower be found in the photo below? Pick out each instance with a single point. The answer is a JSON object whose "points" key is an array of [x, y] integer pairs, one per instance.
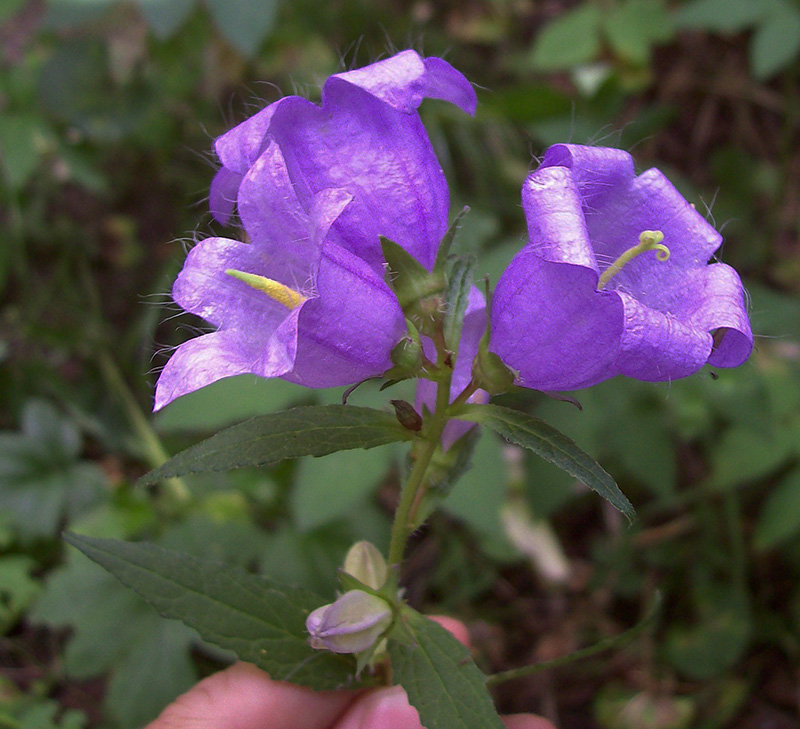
{"points": [[293, 302], [366, 138], [616, 279]]}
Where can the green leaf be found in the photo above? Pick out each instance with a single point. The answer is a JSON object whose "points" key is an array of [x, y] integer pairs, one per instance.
{"points": [[325, 491], [313, 430], [776, 42], [745, 454], [635, 26], [23, 139], [10, 7], [725, 16], [227, 401], [17, 588], [442, 681], [447, 241], [261, 622], [41, 479], [570, 40], [459, 286], [243, 22], [716, 642], [166, 16], [113, 630], [552, 445], [780, 515], [408, 278]]}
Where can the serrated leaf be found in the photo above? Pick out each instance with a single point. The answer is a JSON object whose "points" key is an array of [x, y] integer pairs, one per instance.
{"points": [[243, 22], [442, 681], [533, 433], [313, 430], [459, 285], [570, 40], [263, 623], [776, 42]]}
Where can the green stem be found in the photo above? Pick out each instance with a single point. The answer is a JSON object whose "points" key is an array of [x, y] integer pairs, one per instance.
{"points": [[598, 647], [401, 527], [154, 451]]}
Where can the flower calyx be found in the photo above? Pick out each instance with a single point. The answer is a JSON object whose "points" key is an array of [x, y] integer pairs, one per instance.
{"points": [[418, 290], [489, 372]]}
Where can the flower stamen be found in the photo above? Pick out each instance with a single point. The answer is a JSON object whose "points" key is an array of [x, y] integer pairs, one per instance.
{"points": [[649, 240], [276, 291]]}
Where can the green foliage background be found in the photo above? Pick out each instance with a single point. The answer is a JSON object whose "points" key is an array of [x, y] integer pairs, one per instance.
{"points": [[107, 113]]}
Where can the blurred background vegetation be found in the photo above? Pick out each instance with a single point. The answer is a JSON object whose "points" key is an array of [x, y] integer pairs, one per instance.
{"points": [[107, 114]]}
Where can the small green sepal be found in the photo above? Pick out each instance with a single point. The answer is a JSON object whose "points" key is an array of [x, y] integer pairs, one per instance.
{"points": [[489, 372], [447, 241], [407, 355]]}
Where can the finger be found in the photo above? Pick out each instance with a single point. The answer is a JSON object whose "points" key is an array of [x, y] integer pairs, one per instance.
{"points": [[456, 627], [526, 721], [244, 697], [381, 709]]}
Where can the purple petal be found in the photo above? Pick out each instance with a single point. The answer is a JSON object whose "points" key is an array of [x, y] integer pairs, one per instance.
{"points": [[204, 289], [405, 79], [367, 139], [347, 333], [656, 346], [204, 360], [222, 197], [551, 325]]}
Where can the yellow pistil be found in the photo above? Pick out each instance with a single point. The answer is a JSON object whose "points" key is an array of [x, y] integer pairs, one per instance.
{"points": [[279, 292], [649, 240]]}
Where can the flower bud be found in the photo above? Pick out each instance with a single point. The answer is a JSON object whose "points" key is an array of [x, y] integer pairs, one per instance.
{"points": [[366, 564], [351, 624]]}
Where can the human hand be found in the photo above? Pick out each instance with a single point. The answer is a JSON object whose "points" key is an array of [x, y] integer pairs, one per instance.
{"points": [[244, 697]]}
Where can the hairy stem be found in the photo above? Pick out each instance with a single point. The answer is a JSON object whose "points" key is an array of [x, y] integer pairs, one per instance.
{"points": [[410, 493]]}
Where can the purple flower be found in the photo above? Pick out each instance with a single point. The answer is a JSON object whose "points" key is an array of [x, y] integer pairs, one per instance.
{"points": [[351, 624], [315, 187], [291, 303], [614, 280], [366, 138]]}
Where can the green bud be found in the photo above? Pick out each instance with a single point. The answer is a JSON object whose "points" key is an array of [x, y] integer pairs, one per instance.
{"points": [[409, 418], [366, 564], [491, 374]]}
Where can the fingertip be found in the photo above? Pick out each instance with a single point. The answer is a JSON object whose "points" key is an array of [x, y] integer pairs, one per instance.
{"points": [[526, 721], [244, 697], [456, 627]]}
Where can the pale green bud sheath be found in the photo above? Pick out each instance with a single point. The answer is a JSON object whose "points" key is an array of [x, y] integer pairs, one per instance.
{"points": [[366, 563], [276, 291], [649, 240]]}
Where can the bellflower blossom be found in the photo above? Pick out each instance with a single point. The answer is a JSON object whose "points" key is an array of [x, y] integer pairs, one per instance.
{"points": [[615, 279], [366, 138], [315, 187]]}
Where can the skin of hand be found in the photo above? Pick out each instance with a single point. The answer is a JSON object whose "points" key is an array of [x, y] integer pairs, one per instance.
{"points": [[244, 697]]}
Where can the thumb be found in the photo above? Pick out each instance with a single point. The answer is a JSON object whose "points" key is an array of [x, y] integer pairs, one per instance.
{"points": [[244, 697]]}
